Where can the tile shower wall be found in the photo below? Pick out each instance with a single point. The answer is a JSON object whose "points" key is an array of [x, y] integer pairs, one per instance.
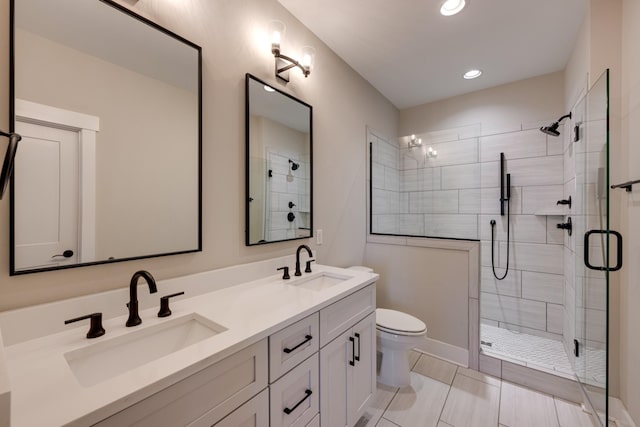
{"points": [[287, 186], [456, 195]]}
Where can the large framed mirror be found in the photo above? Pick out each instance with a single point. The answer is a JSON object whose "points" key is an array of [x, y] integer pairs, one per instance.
{"points": [[109, 107], [279, 165]]}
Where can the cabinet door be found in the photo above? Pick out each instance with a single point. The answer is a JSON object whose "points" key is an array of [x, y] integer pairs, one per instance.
{"points": [[334, 364], [362, 384], [254, 413]]}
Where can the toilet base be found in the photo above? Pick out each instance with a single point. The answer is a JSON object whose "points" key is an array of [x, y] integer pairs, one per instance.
{"points": [[394, 368]]}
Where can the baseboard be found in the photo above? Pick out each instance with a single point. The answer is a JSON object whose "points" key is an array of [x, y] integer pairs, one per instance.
{"points": [[619, 414], [442, 350]]}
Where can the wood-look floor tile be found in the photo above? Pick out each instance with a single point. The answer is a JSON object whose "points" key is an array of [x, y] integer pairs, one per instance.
{"points": [[471, 403], [413, 358], [385, 423], [435, 368], [384, 395], [571, 414], [419, 404], [479, 376], [521, 407]]}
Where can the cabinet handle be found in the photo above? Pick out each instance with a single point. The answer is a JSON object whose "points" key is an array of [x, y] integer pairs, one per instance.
{"points": [[352, 362], [358, 356], [307, 394], [307, 338]]}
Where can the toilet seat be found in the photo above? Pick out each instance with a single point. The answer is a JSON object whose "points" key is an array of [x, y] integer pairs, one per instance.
{"points": [[398, 323]]}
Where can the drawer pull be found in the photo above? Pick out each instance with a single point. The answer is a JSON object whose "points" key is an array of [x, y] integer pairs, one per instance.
{"points": [[307, 394], [352, 362], [307, 338], [358, 356]]}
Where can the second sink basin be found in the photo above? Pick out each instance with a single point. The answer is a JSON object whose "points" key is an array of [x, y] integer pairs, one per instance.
{"points": [[106, 359], [319, 281]]}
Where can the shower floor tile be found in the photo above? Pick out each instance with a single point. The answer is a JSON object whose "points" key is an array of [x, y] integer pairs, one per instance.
{"points": [[529, 350]]}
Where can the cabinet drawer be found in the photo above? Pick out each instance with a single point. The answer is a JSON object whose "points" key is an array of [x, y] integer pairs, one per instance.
{"points": [[205, 397], [254, 413], [292, 345], [340, 316], [295, 398]]}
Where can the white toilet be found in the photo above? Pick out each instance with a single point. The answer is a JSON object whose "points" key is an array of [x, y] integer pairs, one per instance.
{"points": [[396, 334]]}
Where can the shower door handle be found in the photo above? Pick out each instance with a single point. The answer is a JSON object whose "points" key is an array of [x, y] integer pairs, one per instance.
{"points": [[618, 265]]}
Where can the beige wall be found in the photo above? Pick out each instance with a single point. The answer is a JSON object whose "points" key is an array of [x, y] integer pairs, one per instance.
{"points": [[431, 284], [630, 211], [232, 35]]}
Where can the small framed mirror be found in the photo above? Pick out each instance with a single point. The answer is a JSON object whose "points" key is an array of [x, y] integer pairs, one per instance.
{"points": [[279, 165], [109, 107]]}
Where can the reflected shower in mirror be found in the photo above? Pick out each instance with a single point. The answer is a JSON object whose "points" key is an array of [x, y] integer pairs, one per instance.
{"points": [[278, 165], [109, 107]]}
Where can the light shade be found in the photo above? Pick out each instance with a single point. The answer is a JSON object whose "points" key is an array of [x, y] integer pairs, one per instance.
{"points": [[451, 7], [308, 57], [277, 31], [472, 74]]}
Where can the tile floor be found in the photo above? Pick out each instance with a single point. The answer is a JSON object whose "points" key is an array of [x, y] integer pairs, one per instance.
{"points": [[442, 394]]}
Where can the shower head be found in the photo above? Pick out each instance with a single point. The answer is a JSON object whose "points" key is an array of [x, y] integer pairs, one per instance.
{"points": [[294, 166], [552, 129]]}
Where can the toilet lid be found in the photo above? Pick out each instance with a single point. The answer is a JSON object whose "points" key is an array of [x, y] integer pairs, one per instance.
{"points": [[393, 320]]}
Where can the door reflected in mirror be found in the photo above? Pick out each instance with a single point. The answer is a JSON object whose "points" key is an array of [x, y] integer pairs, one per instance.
{"points": [[109, 105], [278, 164]]}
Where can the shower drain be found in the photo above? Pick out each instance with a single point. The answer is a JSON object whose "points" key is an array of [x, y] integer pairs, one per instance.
{"points": [[487, 343]]}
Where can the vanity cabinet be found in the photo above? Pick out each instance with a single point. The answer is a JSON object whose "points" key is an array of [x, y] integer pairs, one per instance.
{"points": [[254, 413], [348, 374], [205, 397], [295, 398], [319, 371]]}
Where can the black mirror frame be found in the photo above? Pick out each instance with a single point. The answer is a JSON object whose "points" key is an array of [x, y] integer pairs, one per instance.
{"points": [[248, 78], [12, 116]]}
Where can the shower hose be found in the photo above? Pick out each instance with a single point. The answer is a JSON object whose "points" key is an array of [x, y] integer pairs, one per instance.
{"points": [[493, 226]]}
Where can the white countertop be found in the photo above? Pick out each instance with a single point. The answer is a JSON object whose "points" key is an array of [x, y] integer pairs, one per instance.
{"points": [[44, 391]]}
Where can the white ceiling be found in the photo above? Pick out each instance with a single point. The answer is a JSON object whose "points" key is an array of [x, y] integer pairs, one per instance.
{"points": [[413, 55]]}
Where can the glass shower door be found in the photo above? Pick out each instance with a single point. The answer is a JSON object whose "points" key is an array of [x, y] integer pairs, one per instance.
{"points": [[594, 244]]}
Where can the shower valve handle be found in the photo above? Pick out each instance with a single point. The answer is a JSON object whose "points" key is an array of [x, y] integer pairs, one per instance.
{"points": [[566, 226]]}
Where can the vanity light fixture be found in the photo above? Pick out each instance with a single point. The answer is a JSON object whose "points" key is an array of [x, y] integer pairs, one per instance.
{"points": [[452, 7], [284, 63], [269, 88], [431, 153], [472, 74], [414, 142]]}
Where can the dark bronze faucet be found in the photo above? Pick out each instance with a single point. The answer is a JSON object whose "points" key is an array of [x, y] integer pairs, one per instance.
{"points": [[134, 318], [298, 272]]}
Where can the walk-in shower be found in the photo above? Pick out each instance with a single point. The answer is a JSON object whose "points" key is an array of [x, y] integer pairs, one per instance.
{"points": [[543, 305]]}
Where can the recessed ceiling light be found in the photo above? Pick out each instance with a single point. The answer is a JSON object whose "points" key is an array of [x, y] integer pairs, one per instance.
{"points": [[451, 7], [472, 74], [269, 88]]}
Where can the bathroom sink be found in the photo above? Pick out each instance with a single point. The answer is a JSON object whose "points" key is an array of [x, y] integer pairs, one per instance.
{"points": [[106, 359], [319, 281]]}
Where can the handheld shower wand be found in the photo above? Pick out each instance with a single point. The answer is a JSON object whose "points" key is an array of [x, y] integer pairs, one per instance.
{"points": [[505, 196]]}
